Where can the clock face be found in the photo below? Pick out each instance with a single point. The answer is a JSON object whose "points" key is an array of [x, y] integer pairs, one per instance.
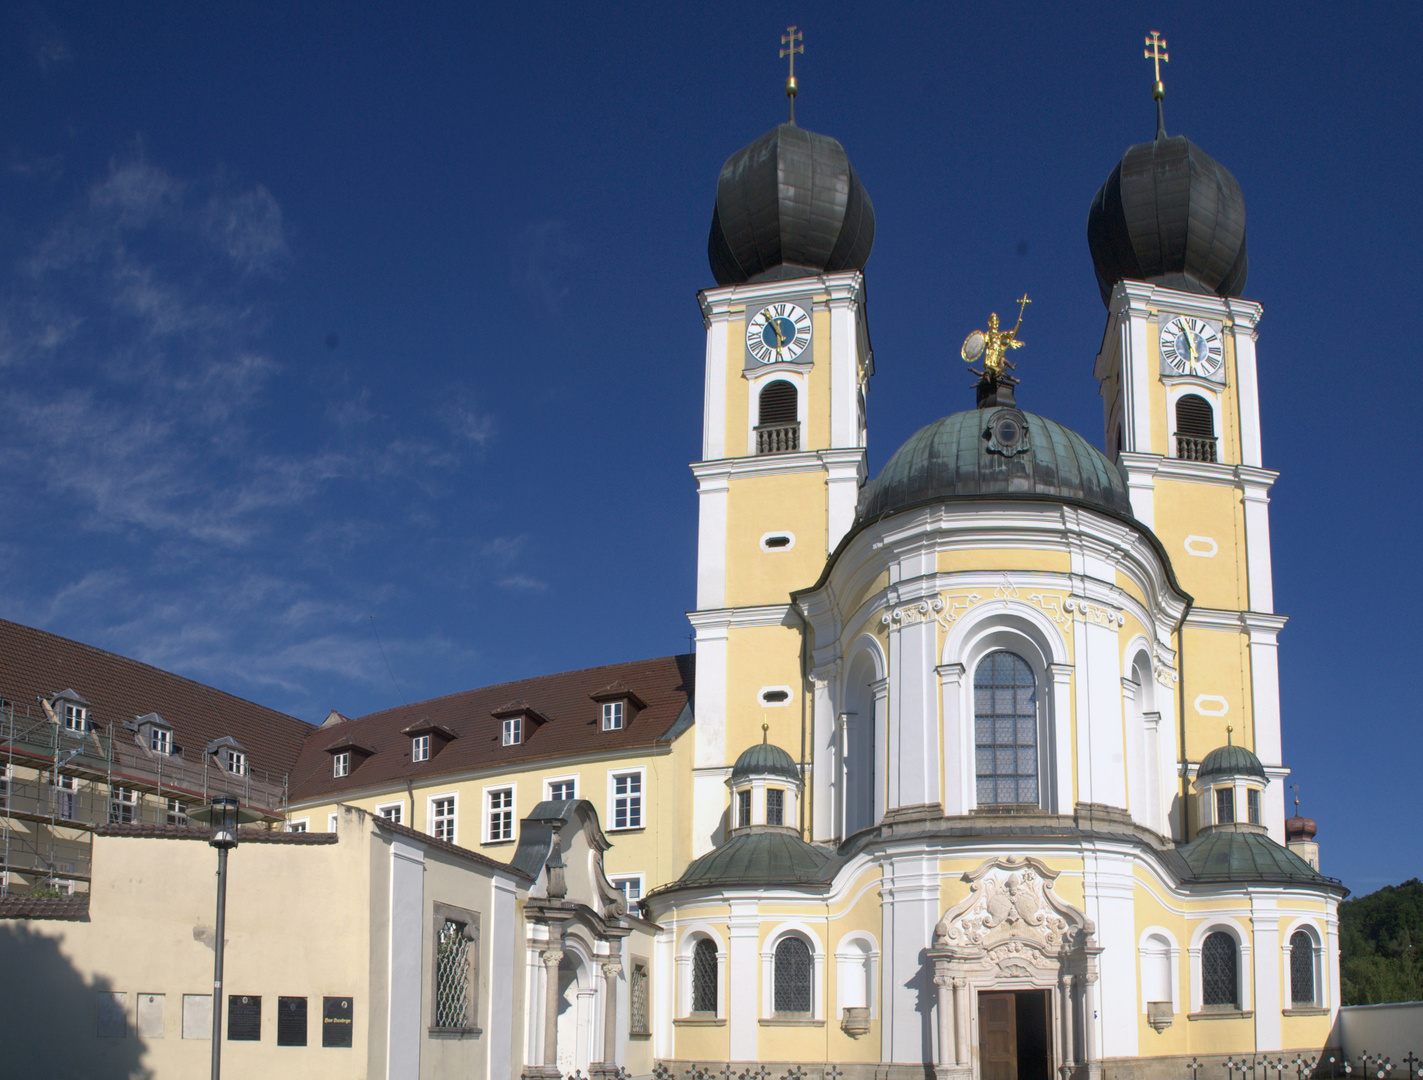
{"points": [[1191, 346], [778, 332]]}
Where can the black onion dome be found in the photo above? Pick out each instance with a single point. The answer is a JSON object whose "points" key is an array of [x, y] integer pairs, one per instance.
{"points": [[787, 206], [1172, 214], [954, 458]]}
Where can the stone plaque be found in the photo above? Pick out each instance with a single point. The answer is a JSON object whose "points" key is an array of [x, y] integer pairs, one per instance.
{"points": [[244, 1018], [291, 1021], [197, 1016], [150, 1016], [113, 1015], [337, 1020]]}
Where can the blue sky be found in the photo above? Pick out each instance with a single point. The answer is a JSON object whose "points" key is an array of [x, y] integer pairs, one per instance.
{"points": [[321, 322]]}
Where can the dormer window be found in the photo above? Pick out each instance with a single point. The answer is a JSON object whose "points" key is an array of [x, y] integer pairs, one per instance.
{"points": [[420, 747], [518, 721], [427, 739], [341, 764], [155, 733], [236, 762], [513, 730], [76, 717], [613, 712], [160, 740]]}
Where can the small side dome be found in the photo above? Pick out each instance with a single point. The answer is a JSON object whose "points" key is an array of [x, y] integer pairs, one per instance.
{"points": [[788, 206], [1169, 213], [765, 759], [1230, 761], [961, 456], [1300, 828]]}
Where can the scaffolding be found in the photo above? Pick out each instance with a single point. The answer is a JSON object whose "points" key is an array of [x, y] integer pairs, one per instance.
{"points": [[57, 785]]}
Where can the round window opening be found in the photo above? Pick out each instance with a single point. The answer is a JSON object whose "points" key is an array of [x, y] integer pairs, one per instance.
{"points": [[1008, 431]]}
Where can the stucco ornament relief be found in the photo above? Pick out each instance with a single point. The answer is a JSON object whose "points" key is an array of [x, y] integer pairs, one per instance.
{"points": [[1012, 914], [947, 608]]}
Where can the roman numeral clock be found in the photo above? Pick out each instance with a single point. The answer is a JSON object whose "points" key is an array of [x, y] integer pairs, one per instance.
{"points": [[1191, 346], [778, 333]]}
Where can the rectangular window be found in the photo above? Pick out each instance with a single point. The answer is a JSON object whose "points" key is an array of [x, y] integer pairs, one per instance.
{"points": [[5, 784], [177, 814], [392, 812], [562, 790], [612, 716], [1224, 806], [330, 822], [501, 815], [743, 809], [442, 819], [236, 762], [1252, 805], [775, 806], [160, 740], [291, 1021], [341, 764], [63, 795], [420, 748], [630, 885], [639, 1020], [456, 969], [627, 800], [123, 806], [513, 730], [297, 826], [76, 717]]}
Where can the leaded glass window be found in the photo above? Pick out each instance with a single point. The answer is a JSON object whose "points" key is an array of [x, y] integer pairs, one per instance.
{"points": [[1005, 710], [704, 976], [743, 809], [775, 806], [1252, 805], [792, 976], [1301, 968], [452, 976], [1224, 806], [1219, 982]]}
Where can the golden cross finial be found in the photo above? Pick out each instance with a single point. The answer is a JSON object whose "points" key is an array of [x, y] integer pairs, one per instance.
{"points": [[765, 731], [1228, 730], [1295, 788], [789, 39], [1156, 53]]}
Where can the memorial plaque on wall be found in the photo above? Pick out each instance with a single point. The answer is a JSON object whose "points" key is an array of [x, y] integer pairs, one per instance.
{"points": [[244, 1018], [291, 1021], [336, 1021]]}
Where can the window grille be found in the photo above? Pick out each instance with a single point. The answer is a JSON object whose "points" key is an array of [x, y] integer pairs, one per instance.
{"points": [[743, 809], [627, 800], [420, 748], [1252, 805], [1301, 968], [792, 976], [775, 806], [342, 764], [501, 815], [444, 819], [452, 976], [76, 717], [1224, 806], [612, 715], [1219, 984], [1005, 708], [393, 813], [513, 730], [704, 976], [639, 1020], [562, 790], [160, 740], [177, 814], [778, 426], [123, 806], [1195, 429]]}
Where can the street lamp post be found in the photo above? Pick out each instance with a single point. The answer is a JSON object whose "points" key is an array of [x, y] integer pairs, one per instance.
{"points": [[223, 816]]}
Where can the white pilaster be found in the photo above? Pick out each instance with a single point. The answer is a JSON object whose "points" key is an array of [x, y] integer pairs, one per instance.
{"points": [[958, 741], [1265, 924], [826, 784], [1255, 492], [407, 950], [914, 716], [503, 933], [845, 471], [1109, 887], [713, 491], [743, 927], [1246, 316], [910, 908]]}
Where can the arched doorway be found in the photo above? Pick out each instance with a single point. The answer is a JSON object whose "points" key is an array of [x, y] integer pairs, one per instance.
{"points": [[577, 1000]]}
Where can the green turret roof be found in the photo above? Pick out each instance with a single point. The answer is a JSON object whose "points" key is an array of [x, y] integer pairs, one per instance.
{"points": [[1224, 854], [765, 759], [1230, 761], [759, 858]]}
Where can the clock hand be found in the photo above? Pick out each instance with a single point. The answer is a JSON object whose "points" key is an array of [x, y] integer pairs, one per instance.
{"points": [[1191, 344], [780, 337]]}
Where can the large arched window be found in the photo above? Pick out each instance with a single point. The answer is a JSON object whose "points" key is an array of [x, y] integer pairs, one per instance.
{"points": [[1220, 982], [1301, 968], [778, 419], [1005, 720], [704, 976], [792, 976], [1195, 428]]}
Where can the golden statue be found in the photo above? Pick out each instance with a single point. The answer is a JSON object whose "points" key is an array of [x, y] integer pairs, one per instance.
{"points": [[991, 344]]}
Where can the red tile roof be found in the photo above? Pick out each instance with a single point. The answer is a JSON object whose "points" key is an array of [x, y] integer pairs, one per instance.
{"points": [[66, 908], [574, 727], [202, 832], [35, 664]]}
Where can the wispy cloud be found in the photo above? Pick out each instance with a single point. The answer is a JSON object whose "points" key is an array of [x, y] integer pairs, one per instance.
{"points": [[45, 40], [544, 259], [522, 583]]}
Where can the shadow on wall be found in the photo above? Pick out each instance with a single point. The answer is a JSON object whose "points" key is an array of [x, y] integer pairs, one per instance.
{"points": [[54, 1023]]}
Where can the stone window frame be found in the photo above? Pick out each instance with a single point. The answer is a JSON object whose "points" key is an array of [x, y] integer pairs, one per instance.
{"points": [[440, 912], [639, 1027]]}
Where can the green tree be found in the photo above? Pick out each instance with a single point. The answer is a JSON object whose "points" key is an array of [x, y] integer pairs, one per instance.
{"points": [[1379, 959]]}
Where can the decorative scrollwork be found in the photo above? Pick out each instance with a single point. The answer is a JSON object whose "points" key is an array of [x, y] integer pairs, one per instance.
{"points": [[1094, 612], [915, 612]]}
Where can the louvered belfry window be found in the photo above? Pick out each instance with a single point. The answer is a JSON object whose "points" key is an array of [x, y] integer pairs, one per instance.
{"points": [[792, 976], [1005, 716], [778, 425], [1218, 972], [1301, 968], [704, 976], [1195, 429]]}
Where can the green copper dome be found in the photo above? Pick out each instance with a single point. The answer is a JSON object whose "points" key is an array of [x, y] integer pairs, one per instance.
{"points": [[760, 859], [992, 452], [1230, 761], [763, 759], [1227, 855]]}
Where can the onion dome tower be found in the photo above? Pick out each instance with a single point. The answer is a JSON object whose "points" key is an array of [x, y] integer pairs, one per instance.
{"points": [[1299, 836], [1169, 213], [789, 205], [765, 788]]}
